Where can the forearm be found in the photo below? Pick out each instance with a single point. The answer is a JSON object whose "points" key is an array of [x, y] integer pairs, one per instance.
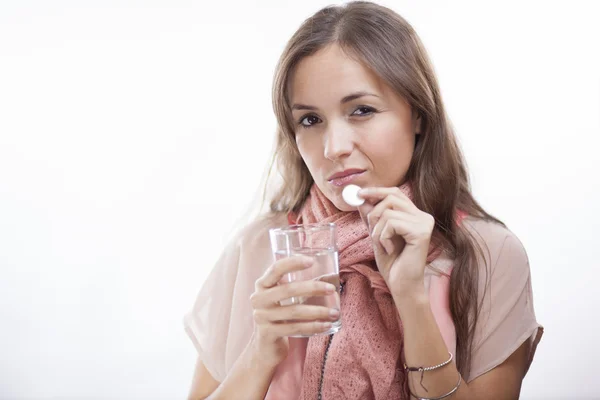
{"points": [[425, 347], [249, 378]]}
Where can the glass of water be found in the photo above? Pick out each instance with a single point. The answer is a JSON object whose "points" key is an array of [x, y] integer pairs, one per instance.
{"points": [[317, 241]]}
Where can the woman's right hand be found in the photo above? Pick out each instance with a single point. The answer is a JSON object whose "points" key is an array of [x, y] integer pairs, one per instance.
{"points": [[273, 323]]}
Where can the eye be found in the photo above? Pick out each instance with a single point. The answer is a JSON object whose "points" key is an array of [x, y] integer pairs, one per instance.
{"points": [[308, 120], [364, 110]]}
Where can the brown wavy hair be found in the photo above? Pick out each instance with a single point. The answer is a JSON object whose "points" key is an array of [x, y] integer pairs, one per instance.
{"points": [[387, 44]]}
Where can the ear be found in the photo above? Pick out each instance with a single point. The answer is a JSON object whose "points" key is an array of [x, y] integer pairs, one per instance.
{"points": [[416, 122]]}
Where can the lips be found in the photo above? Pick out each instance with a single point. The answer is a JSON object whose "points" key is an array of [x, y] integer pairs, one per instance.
{"points": [[346, 176], [345, 172]]}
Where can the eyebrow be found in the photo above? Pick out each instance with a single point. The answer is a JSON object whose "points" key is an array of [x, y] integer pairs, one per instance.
{"points": [[346, 99]]}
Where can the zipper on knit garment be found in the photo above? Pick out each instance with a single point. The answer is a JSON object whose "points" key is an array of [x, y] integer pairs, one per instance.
{"points": [[325, 356], [323, 367]]}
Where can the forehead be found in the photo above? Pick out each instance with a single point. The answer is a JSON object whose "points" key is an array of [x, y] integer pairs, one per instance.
{"points": [[331, 74]]}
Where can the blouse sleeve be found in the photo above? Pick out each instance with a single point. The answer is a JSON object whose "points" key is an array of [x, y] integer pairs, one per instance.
{"points": [[208, 322], [221, 323], [507, 318]]}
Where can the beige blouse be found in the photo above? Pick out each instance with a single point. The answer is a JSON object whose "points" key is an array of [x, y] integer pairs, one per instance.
{"points": [[220, 323]]}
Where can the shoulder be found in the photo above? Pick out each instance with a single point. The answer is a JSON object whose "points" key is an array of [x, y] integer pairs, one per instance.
{"points": [[500, 246], [256, 232], [506, 316], [251, 243]]}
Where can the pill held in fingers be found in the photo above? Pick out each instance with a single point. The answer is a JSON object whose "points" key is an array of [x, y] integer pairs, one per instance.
{"points": [[350, 196]]}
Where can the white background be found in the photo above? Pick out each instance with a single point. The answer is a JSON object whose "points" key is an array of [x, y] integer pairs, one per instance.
{"points": [[134, 134]]}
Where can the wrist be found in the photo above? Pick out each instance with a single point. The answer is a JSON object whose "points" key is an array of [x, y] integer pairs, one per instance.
{"points": [[411, 296], [263, 356]]}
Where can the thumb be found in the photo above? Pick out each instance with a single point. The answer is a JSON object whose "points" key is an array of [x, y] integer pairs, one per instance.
{"points": [[364, 211]]}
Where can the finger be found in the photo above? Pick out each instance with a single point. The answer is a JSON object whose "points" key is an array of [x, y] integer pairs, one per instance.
{"points": [[272, 296], [297, 313], [411, 227], [378, 193], [298, 328], [384, 233], [364, 211], [278, 269], [390, 202], [408, 230], [382, 199], [394, 227]]}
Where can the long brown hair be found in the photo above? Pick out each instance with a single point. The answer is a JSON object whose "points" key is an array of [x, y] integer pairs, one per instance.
{"points": [[387, 44]]}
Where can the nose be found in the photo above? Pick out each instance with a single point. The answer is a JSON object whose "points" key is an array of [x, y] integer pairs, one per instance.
{"points": [[338, 142]]}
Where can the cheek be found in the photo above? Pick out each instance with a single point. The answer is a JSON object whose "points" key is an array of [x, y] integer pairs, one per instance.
{"points": [[391, 153], [309, 152], [390, 146]]}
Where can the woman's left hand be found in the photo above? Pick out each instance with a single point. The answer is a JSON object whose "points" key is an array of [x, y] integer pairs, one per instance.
{"points": [[401, 234]]}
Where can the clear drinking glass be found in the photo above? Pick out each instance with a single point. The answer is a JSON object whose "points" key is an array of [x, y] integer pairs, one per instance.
{"points": [[319, 242]]}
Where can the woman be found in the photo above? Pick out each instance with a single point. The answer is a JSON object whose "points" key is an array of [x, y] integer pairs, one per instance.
{"points": [[436, 298]]}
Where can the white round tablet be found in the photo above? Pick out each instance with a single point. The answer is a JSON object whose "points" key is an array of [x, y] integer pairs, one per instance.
{"points": [[350, 195]]}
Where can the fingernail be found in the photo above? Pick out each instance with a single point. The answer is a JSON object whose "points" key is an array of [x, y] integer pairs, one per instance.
{"points": [[326, 325], [334, 313], [330, 288]]}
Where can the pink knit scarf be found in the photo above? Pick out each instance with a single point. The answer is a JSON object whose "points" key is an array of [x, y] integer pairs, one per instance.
{"points": [[364, 359]]}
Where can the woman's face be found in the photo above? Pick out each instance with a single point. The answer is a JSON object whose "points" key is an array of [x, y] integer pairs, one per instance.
{"points": [[347, 119]]}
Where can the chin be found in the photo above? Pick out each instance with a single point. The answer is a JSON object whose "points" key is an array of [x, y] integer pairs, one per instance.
{"points": [[341, 205], [338, 201], [345, 207]]}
